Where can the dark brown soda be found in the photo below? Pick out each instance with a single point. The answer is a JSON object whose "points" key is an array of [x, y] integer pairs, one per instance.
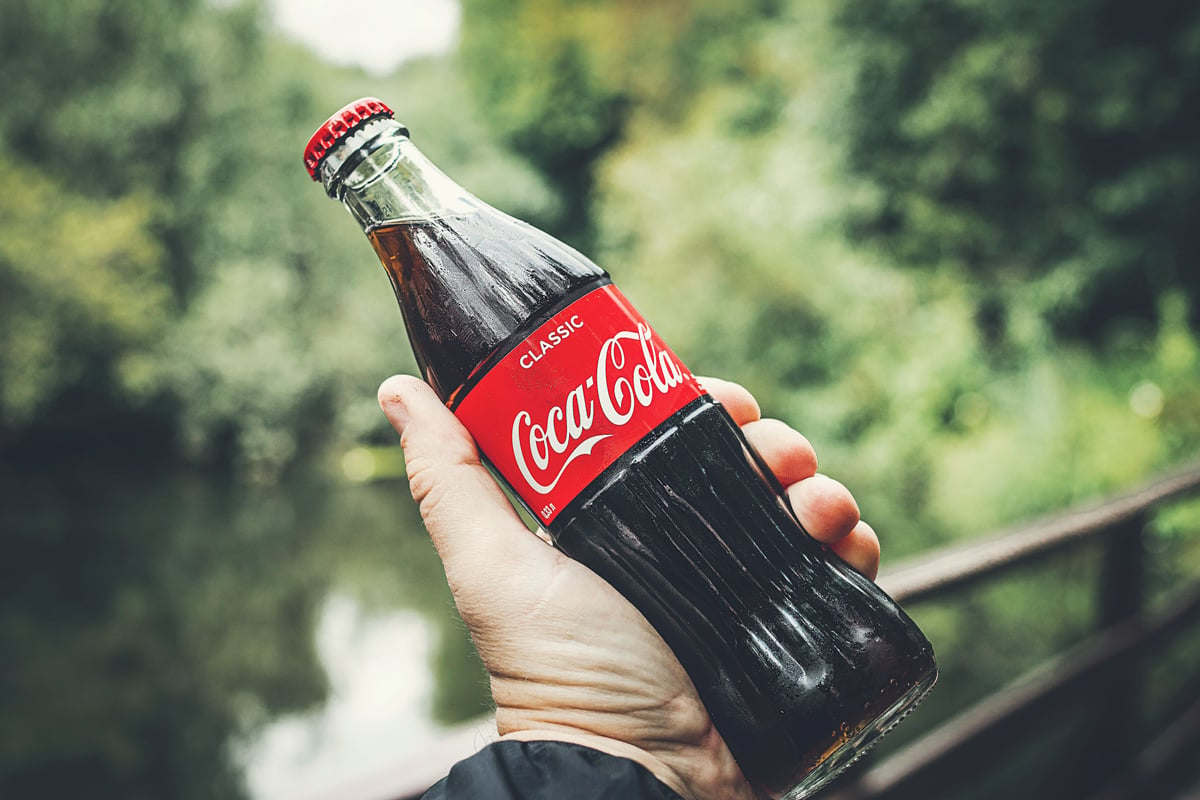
{"points": [[471, 286], [792, 652]]}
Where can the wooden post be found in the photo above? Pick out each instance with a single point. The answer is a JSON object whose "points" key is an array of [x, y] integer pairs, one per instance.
{"points": [[1122, 572], [1118, 708]]}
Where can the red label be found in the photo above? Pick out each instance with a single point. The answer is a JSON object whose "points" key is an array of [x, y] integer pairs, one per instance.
{"points": [[569, 400]]}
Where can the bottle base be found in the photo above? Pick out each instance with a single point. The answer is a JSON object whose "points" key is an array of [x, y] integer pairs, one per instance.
{"points": [[859, 743]]}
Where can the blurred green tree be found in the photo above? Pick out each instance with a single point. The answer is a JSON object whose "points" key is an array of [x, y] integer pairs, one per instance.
{"points": [[1048, 151], [107, 119], [559, 81], [81, 287]]}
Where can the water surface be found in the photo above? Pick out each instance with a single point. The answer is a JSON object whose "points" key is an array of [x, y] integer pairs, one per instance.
{"points": [[175, 634]]}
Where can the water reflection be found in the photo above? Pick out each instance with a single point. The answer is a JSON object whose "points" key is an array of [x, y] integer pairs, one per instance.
{"points": [[378, 706], [154, 623]]}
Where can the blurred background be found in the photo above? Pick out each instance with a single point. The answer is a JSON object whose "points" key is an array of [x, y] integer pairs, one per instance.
{"points": [[953, 241]]}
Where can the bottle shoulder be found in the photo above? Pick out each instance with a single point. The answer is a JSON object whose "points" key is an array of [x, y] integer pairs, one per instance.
{"points": [[468, 285]]}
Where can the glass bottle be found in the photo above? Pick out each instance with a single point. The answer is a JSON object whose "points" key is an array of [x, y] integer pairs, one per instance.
{"points": [[591, 420]]}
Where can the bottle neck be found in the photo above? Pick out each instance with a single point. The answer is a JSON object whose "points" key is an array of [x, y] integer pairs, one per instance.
{"points": [[382, 178]]}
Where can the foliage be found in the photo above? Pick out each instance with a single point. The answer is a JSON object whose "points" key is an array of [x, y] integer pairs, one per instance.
{"points": [[1049, 151], [559, 80], [74, 306]]}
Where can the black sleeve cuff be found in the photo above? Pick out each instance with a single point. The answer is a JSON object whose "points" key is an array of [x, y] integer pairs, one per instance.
{"points": [[546, 770]]}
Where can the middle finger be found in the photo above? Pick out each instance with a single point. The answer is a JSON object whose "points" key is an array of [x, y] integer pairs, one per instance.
{"points": [[786, 452]]}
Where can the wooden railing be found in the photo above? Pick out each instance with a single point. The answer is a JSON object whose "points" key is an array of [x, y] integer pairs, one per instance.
{"points": [[1110, 666], [1106, 671]]}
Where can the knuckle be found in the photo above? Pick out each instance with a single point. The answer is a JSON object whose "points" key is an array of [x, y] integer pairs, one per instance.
{"points": [[422, 478], [431, 494]]}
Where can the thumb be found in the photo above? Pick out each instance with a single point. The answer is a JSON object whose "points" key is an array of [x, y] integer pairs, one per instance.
{"points": [[473, 526]]}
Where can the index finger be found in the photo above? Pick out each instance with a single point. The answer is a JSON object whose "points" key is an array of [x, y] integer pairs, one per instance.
{"points": [[740, 404]]}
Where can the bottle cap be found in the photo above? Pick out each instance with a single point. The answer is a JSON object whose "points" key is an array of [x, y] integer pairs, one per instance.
{"points": [[351, 117]]}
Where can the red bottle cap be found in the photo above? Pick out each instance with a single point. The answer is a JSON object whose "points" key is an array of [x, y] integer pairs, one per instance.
{"points": [[348, 119]]}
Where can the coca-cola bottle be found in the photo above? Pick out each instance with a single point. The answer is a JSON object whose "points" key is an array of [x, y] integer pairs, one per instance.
{"points": [[630, 466]]}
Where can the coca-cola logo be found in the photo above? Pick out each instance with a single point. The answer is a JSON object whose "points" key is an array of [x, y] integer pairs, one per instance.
{"points": [[631, 373], [578, 392]]}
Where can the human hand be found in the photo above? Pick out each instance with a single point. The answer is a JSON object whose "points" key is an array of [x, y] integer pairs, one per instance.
{"points": [[568, 657]]}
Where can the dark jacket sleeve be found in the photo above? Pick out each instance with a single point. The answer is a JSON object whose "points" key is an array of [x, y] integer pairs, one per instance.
{"points": [[545, 770]]}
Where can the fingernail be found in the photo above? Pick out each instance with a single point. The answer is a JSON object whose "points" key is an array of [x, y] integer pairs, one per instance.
{"points": [[393, 405]]}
